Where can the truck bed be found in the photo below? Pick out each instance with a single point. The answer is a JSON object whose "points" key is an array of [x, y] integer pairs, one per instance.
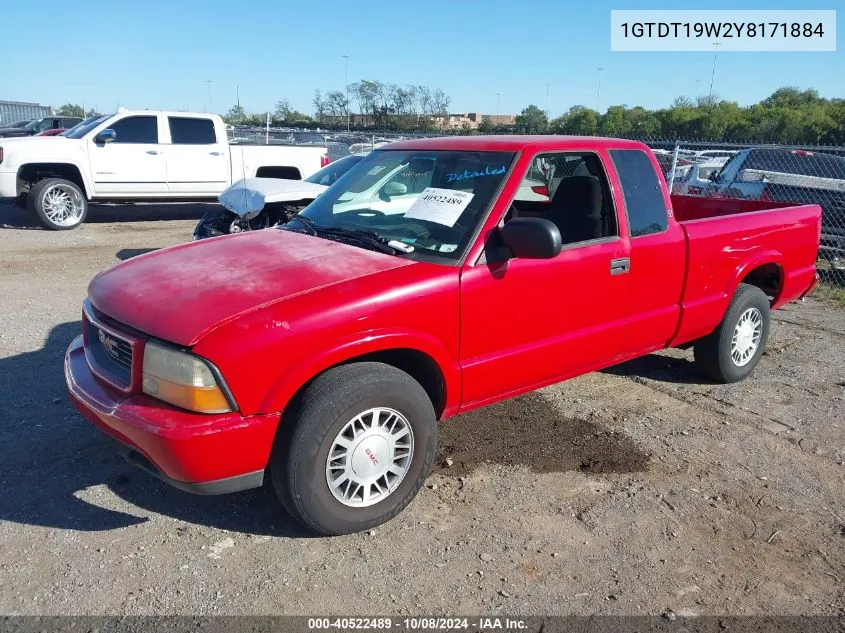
{"points": [[728, 238]]}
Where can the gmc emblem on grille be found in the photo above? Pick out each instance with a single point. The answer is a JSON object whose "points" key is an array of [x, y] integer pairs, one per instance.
{"points": [[109, 344]]}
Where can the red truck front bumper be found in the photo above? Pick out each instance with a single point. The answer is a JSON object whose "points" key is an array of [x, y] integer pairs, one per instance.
{"points": [[203, 454]]}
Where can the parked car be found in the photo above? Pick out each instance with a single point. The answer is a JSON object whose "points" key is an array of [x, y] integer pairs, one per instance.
{"points": [[320, 356], [20, 123], [694, 179], [259, 203], [665, 160], [36, 126], [794, 176], [53, 132], [138, 155]]}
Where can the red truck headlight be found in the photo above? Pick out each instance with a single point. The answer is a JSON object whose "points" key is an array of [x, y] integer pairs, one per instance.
{"points": [[183, 380]]}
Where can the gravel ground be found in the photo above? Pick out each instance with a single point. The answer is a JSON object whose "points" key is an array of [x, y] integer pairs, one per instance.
{"points": [[636, 490]]}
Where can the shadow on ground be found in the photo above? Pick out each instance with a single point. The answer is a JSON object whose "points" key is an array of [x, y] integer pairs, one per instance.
{"points": [[659, 367], [532, 431], [15, 217], [128, 253]]}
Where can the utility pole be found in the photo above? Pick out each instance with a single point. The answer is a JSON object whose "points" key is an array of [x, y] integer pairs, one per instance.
{"points": [[598, 92], [497, 107], [346, 57], [238, 95], [697, 93], [713, 74]]}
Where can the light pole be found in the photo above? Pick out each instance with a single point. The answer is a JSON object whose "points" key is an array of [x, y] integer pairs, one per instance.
{"points": [[713, 74], [697, 92], [547, 99], [346, 57], [598, 92]]}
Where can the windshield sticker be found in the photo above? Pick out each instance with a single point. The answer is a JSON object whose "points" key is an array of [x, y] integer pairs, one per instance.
{"points": [[375, 171], [488, 171], [443, 206]]}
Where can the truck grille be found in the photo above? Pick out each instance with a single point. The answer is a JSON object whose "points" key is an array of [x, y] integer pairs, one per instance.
{"points": [[109, 355]]}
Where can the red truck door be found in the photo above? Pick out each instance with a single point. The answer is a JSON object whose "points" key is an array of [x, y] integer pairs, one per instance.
{"points": [[525, 323], [658, 253]]}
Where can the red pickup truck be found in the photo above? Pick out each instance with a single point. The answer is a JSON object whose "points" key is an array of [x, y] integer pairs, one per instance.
{"points": [[320, 355]]}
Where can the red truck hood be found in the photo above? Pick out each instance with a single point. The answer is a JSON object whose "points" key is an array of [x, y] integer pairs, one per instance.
{"points": [[182, 292]]}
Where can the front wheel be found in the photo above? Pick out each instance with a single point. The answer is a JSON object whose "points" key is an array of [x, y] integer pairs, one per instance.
{"points": [[58, 204], [361, 442], [733, 350]]}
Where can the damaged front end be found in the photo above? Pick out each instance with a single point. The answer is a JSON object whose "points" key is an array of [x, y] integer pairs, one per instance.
{"points": [[256, 203]]}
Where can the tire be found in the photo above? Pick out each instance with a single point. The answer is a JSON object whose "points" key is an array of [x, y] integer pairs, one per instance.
{"points": [[344, 396], [45, 202], [715, 354]]}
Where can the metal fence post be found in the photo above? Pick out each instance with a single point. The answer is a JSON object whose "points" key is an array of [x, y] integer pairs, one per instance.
{"points": [[674, 165]]}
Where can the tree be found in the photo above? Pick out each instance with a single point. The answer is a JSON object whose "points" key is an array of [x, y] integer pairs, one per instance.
{"points": [[236, 115], [532, 120], [283, 110], [320, 106], [71, 109]]}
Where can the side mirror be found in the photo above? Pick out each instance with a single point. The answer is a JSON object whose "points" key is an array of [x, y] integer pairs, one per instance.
{"points": [[106, 136], [395, 189], [532, 238]]}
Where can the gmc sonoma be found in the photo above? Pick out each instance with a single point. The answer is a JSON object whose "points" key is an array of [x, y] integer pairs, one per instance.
{"points": [[137, 155], [319, 355]]}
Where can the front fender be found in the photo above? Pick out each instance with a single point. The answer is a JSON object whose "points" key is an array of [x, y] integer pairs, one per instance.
{"points": [[293, 378]]}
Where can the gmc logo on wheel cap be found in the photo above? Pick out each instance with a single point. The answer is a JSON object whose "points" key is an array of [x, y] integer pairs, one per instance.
{"points": [[372, 457]]}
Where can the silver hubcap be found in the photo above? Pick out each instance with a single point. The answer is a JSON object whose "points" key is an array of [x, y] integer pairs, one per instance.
{"points": [[746, 337], [370, 457], [62, 205]]}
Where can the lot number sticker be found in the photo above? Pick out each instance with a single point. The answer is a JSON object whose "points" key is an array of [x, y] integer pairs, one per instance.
{"points": [[443, 206]]}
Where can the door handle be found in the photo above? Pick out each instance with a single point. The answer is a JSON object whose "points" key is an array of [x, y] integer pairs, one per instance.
{"points": [[152, 151], [620, 266], [216, 153]]}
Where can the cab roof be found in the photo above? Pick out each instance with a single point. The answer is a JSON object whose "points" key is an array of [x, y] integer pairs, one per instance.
{"points": [[513, 143]]}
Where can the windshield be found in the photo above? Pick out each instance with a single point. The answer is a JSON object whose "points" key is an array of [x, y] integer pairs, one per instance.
{"points": [[81, 129], [431, 201], [334, 170]]}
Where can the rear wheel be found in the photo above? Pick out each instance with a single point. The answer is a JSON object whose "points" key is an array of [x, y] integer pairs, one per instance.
{"points": [[57, 203], [733, 350], [361, 442]]}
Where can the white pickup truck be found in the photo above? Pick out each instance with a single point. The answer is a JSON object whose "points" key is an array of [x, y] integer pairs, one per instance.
{"points": [[139, 155]]}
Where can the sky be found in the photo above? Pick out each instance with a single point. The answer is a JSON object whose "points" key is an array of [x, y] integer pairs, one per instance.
{"points": [[161, 54]]}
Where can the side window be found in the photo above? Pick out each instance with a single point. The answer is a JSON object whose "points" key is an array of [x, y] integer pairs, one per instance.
{"points": [[571, 190], [136, 129], [643, 193], [189, 131]]}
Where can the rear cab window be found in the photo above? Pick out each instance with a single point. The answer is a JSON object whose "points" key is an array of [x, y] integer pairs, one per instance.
{"points": [[191, 131], [643, 193]]}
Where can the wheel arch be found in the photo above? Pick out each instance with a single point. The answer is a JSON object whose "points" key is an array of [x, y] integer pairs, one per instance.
{"points": [[34, 171], [765, 272], [420, 356]]}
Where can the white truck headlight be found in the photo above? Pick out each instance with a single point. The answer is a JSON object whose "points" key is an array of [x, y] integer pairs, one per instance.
{"points": [[182, 379]]}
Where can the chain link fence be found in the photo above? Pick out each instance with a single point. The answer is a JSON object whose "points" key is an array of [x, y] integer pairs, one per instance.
{"points": [[780, 174]]}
